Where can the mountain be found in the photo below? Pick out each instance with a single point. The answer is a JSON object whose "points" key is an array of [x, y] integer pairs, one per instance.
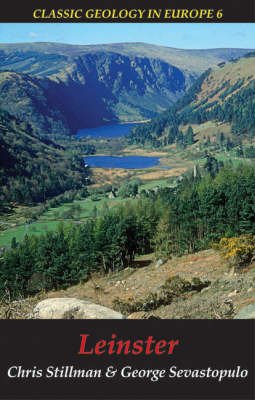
{"points": [[59, 88], [29, 99], [33, 169], [223, 96], [49, 59]]}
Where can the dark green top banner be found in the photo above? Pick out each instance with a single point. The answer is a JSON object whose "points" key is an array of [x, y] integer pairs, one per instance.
{"points": [[132, 11]]}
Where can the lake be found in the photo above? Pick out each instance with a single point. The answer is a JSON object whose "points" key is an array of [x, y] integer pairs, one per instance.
{"points": [[106, 131], [126, 162]]}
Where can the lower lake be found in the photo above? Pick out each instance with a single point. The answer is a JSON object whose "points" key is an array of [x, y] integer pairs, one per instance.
{"points": [[106, 131], [125, 162]]}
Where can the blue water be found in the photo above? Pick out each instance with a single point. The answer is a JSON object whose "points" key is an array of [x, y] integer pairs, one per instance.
{"points": [[126, 162], [106, 131]]}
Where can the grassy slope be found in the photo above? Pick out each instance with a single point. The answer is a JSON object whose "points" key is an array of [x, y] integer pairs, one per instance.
{"points": [[220, 85], [232, 72], [212, 89]]}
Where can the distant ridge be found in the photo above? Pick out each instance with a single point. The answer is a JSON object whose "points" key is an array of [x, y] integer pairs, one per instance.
{"points": [[198, 59], [62, 87]]}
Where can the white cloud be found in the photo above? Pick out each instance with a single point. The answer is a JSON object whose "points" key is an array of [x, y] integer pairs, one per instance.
{"points": [[33, 34]]}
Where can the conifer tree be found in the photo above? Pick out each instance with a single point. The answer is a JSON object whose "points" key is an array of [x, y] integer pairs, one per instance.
{"points": [[189, 136]]}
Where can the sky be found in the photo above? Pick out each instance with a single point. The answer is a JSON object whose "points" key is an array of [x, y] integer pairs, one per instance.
{"points": [[190, 36]]}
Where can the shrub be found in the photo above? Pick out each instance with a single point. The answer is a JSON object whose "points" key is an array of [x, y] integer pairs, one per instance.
{"points": [[173, 287], [238, 251]]}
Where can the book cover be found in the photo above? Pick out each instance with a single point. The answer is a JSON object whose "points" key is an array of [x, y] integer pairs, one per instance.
{"points": [[127, 200]]}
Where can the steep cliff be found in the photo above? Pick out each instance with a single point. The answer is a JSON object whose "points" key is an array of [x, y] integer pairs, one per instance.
{"points": [[64, 87]]}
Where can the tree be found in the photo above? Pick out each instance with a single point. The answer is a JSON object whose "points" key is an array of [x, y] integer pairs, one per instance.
{"points": [[180, 141], [212, 165], [94, 212], [162, 241], [129, 189], [189, 136]]}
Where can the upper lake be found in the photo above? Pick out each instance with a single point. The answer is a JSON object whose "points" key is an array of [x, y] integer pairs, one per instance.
{"points": [[106, 131], [126, 162]]}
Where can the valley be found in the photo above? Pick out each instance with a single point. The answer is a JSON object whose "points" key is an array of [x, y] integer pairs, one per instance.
{"points": [[62, 88], [28, 220], [116, 157]]}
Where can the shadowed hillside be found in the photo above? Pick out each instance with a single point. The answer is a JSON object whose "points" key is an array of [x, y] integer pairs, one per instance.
{"points": [[33, 169], [65, 87]]}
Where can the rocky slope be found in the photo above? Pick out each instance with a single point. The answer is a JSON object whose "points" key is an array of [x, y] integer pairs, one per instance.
{"points": [[65, 87], [198, 285]]}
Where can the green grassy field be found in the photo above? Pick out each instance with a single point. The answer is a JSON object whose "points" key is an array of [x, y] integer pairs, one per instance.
{"points": [[19, 232], [225, 157], [49, 220], [54, 216], [87, 208], [155, 183]]}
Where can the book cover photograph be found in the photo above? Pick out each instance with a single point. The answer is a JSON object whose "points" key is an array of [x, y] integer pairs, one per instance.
{"points": [[127, 200]]}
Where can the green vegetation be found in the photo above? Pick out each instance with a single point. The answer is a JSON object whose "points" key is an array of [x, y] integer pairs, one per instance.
{"points": [[238, 110], [190, 217], [203, 210], [234, 105], [129, 189], [70, 207], [70, 254], [156, 183], [164, 129], [31, 100], [33, 170], [73, 212]]}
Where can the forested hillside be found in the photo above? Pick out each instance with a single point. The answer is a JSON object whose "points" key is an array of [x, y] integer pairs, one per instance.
{"points": [[225, 94], [191, 217], [29, 99], [32, 169]]}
